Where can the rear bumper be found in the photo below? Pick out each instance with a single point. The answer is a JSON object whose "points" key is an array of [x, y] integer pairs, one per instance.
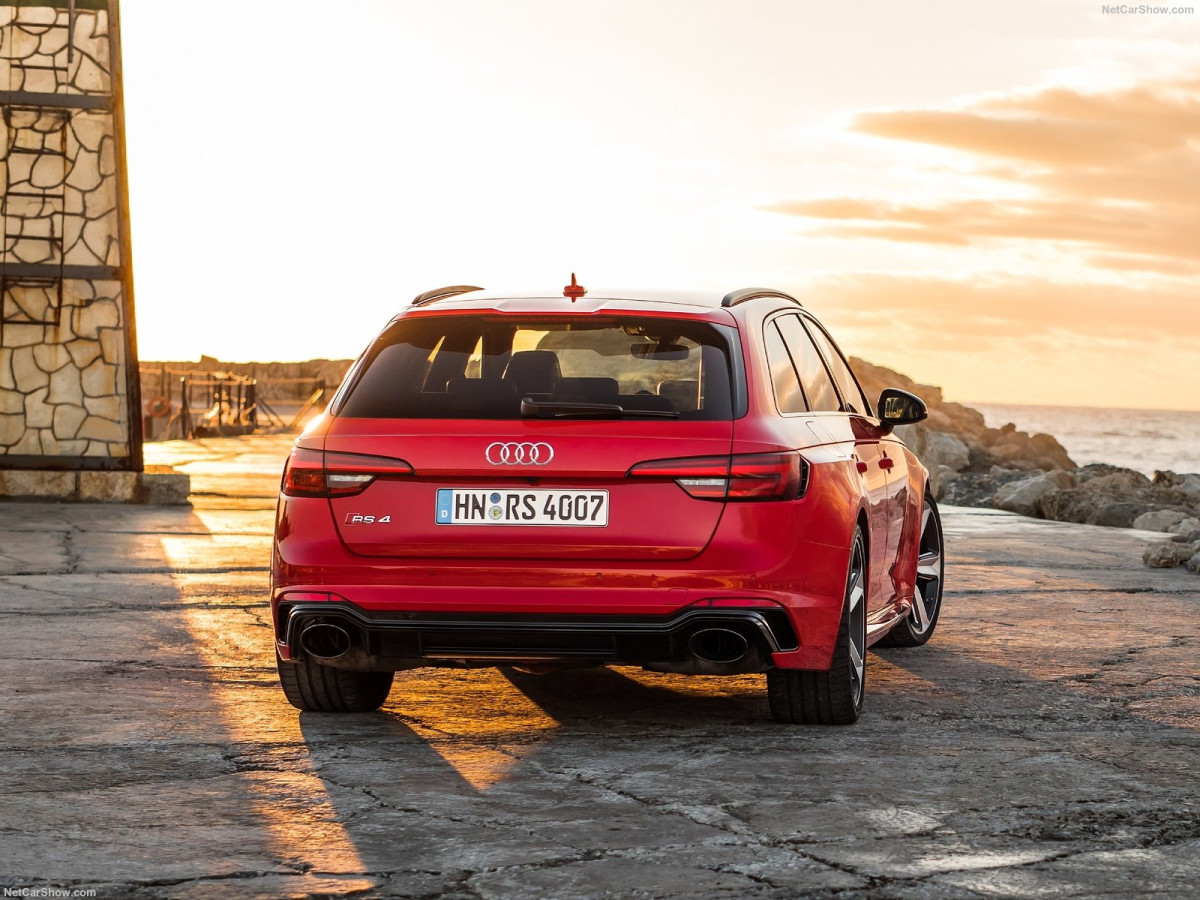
{"points": [[695, 640], [746, 565]]}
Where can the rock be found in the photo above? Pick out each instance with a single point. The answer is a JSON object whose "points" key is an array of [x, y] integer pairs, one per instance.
{"points": [[1166, 554], [1096, 470], [944, 476], [1159, 520], [947, 450], [1025, 496], [1116, 515], [977, 488], [1186, 527], [936, 450], [1161, 556], [1188, 485], [1119, 481], [1193, 564], [1109, 495]]}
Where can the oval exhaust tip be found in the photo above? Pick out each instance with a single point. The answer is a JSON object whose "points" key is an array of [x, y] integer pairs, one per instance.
{"points": [[325, 640], [718, 645]]}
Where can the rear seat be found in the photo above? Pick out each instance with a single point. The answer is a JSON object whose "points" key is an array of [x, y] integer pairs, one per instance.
{"points": [[587, 390]]}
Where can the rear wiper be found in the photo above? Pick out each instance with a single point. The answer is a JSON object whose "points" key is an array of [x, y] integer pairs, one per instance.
{"points": [[554, 409]]}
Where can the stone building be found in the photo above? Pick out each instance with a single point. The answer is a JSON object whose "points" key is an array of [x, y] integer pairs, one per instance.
{"points": [[70, 417]]}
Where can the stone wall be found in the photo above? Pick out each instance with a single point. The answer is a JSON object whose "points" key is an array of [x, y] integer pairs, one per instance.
{"points": [[65, 354]]}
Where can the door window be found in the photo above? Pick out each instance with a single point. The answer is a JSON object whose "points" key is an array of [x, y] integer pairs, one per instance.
{"points": [[814, 377], [852, 394]]}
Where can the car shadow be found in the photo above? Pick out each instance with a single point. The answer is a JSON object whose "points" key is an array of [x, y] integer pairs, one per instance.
{"points": [[467, 771]]}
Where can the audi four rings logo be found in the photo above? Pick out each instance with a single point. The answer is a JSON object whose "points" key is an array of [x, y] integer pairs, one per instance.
{"points": [[519, 454]]}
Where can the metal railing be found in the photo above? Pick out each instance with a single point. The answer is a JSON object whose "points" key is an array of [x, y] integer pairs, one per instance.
{"points": [[194, 404]]}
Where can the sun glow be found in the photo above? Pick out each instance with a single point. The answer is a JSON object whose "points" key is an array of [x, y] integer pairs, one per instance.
{"points": [[866, 157]]}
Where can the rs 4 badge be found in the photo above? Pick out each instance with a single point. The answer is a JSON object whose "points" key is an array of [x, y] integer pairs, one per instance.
{"points": [[356, 519]]}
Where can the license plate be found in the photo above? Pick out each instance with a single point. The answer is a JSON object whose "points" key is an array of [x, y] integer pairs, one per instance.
{"points": [[491, 507]]}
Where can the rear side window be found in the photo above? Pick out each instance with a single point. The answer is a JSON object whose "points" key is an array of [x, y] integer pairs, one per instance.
{"points": [[481, 367], [818, 387], [852, 394]]}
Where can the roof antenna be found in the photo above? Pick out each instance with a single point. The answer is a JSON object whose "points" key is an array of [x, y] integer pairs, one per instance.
{"points": [[574, 290]]}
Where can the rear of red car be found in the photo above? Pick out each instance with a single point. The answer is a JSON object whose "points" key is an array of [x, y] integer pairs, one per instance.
{"points": [[553, 482]]}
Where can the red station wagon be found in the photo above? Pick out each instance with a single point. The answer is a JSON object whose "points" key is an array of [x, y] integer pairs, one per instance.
{"points": [[684, 483]]}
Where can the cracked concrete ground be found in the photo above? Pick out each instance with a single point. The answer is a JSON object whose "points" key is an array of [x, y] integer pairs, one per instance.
{"points": [[1044, 744]]}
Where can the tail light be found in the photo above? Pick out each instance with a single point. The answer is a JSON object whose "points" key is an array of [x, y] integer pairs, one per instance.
{"points": [[746, 476], [313, 473]]}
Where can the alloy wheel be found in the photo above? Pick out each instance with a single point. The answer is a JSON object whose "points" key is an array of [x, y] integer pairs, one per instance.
{"points": [[930, 567]]}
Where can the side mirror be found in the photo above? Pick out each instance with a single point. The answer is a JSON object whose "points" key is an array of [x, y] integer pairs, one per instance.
{"points": [[898, 407]]}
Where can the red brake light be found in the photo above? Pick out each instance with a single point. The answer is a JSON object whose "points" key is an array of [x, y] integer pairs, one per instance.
{"points": [[312, 473], [766, 476], [304, 474], [746, 476]]}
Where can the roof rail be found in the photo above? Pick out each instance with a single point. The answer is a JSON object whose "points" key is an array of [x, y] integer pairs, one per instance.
{"points": [[442, 292], [733, 298]]}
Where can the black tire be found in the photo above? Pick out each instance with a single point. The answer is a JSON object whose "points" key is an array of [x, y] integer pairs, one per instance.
{"points": [[833, 697], [314, 688], [917, 627]]}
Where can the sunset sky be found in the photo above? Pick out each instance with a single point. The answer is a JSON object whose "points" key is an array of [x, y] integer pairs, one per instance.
{"points": [[1003, 199]]}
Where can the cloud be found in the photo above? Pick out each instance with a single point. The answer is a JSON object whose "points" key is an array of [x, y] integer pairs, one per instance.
{"points": [[1005, 338], [999, 308], [1113, 174]]}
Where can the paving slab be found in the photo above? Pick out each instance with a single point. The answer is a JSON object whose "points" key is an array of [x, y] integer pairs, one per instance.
{"points": [[1045, 743]]}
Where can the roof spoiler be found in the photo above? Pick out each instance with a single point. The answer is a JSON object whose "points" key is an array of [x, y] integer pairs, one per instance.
{"points": [[733, 298], [443, 292]]}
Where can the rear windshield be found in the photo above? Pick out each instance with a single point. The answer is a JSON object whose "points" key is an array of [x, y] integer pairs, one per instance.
{"points": [[505, 367]]}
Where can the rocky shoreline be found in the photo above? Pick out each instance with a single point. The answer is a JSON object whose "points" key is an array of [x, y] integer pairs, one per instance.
{"points": [[971, 464]]}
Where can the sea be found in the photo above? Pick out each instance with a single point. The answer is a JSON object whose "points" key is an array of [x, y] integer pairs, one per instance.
{"points": [[1141, 439]]}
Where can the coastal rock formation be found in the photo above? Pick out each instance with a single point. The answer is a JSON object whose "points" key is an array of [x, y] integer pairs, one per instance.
{"points": [[955, 442], [1100, 495]]}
